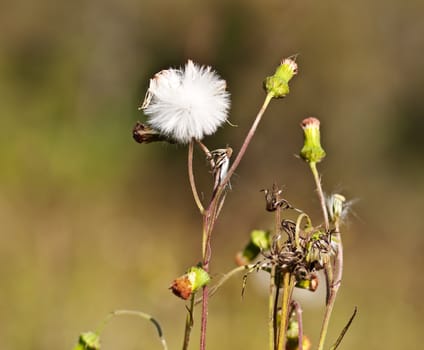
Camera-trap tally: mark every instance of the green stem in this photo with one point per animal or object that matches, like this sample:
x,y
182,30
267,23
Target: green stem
x,y
321,196
297,231
271,302
225,278
189,323
288,284
328,268
273,288
140,314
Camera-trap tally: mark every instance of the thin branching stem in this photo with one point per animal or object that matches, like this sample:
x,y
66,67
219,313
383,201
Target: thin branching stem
x,y
225,278
211,213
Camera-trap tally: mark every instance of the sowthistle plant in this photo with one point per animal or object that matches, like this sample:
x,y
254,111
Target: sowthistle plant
x,y
185,105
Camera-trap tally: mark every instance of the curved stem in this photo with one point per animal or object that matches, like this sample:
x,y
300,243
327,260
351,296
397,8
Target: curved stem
x,y
191,178
297,231
138,314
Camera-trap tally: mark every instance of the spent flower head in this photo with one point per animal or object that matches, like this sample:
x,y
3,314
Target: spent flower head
x,y
186,103
189,283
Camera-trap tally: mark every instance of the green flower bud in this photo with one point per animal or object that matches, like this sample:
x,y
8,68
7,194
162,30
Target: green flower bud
x,y
189,283
277,85
310,283
293,336
259,240
312,152
88,341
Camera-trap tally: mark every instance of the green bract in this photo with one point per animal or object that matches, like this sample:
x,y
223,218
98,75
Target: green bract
x,y
277,85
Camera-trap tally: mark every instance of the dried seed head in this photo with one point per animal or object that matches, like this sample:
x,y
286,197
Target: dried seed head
x,y
186,103
184,286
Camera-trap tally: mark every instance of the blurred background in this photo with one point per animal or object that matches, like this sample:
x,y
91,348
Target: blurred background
x,y
92,221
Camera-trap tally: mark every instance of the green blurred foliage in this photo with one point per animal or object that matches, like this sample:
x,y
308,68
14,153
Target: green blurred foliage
x,y
92,221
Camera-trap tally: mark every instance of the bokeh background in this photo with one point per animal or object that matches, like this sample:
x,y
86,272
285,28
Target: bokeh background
x,y
92,221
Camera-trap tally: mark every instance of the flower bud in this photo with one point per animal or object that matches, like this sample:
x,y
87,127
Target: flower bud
x,y
293,336
88,341
312,152
189,283
310,283
278,84
259,240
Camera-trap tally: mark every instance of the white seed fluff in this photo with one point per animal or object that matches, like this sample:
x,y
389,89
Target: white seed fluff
x,y
186,103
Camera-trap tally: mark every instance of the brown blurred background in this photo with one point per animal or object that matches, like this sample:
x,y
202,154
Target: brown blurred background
x,y
92,221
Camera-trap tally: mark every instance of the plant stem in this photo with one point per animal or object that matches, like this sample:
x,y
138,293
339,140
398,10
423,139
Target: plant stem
x,y
189,323
288,284
328,267
191,178
321,196
211,213
326,321
247,140
275,311
206,252
334,288
225,278
138,314
298,311
273,289
204,318
271,302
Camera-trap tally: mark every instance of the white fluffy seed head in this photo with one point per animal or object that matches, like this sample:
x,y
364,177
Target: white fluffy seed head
x,y
186,103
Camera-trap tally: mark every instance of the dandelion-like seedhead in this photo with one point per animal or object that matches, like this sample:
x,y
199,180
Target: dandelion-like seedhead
x,y
186,103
